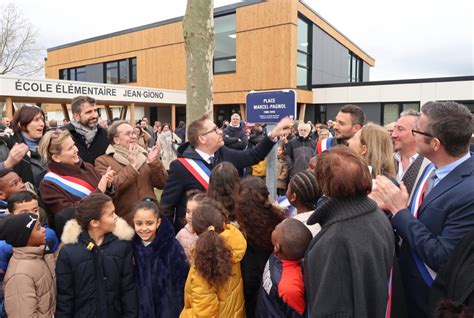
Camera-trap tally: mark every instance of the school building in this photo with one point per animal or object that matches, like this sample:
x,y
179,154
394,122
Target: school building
x,y
259,45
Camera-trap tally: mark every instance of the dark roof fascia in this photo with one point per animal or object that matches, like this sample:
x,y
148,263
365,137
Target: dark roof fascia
x,y
403,81
217,11
332,26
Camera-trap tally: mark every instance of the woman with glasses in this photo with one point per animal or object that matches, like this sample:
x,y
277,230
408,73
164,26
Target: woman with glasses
x,y
138,171
29,127
69,178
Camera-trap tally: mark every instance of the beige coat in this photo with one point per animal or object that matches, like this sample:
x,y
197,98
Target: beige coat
x,y
29,283
131,185
166,140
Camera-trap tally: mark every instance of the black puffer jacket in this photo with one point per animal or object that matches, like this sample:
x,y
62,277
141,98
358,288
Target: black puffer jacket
x,y
235,138
298,153
97,147
96,281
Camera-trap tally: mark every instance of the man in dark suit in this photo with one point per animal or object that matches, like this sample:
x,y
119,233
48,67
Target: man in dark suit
x,y
205,148
441,211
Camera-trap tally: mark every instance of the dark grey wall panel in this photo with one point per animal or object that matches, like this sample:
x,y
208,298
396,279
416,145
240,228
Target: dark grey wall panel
x,y
95,73
330,59
365,72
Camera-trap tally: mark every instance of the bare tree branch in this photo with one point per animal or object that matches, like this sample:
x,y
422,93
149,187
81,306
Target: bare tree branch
x,y
19,52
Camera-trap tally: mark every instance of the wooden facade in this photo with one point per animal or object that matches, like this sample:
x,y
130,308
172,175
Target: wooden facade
x,y
266,52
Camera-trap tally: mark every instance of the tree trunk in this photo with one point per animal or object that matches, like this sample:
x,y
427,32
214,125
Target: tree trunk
x,y
198,31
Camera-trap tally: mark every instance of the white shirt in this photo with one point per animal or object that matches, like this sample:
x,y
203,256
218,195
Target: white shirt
x,y
205,156
401,172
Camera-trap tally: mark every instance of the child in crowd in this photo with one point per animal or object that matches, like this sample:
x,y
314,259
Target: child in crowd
x,y
282,291
27,202
29,281
214,287
304,193
257,218
282,170
187,237
260,169
95,276
161,267
224,183
10,182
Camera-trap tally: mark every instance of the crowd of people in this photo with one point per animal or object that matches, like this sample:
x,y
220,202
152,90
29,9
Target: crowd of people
x,y
369,222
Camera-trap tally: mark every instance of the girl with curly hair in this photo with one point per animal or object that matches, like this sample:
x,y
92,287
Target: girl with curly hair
x,y
223,185
214,287
257,218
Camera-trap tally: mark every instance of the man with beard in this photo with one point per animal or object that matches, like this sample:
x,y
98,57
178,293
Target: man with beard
x,y
90,139
349,120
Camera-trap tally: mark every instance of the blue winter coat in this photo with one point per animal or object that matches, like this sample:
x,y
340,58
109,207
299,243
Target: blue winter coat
x,y
160,274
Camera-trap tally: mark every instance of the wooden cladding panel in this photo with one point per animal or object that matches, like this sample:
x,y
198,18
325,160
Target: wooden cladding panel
x,y
266,14
263,61
87,53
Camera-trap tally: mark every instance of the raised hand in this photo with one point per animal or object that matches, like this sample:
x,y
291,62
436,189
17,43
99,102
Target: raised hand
x,y
132,155
283,127
17,153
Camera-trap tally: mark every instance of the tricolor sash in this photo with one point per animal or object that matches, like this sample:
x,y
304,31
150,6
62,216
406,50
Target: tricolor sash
x,y
74,186
198,170
426,272
388,309
323,145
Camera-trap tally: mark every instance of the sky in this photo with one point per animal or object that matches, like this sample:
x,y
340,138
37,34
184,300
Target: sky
x,y
407,38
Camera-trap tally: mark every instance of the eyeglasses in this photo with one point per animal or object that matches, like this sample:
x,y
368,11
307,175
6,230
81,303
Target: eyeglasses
x,y
414,132
130,133
215,129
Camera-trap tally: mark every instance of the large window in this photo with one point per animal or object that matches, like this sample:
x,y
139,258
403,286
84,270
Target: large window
x,y
303,67
114,72
354,71
391,111
225,39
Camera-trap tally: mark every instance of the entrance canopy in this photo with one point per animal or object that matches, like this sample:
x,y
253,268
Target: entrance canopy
x,y
38,91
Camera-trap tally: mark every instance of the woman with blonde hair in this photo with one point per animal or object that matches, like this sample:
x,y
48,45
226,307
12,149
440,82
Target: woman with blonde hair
x,y
69,178
374,145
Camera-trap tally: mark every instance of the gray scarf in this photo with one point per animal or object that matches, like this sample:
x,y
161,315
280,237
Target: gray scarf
x,y
87,132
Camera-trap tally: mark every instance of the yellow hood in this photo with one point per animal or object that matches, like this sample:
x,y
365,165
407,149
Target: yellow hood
x,y
236,241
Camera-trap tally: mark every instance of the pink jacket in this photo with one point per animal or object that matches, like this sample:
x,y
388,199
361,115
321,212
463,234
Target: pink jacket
x,y
187,239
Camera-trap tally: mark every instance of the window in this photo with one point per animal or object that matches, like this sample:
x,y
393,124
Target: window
x,y
114,72
133,70
354,72
225,44
80,74
391,111
304,61
63,74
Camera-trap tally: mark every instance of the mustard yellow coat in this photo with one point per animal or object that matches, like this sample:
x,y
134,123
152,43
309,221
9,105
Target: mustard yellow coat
x,y
203,300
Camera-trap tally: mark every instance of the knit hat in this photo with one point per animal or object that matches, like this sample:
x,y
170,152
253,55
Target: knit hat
x,y
16,229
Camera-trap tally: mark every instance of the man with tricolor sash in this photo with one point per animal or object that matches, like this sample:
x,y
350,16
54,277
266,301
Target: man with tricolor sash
x,y
196,158
441,210
349,120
